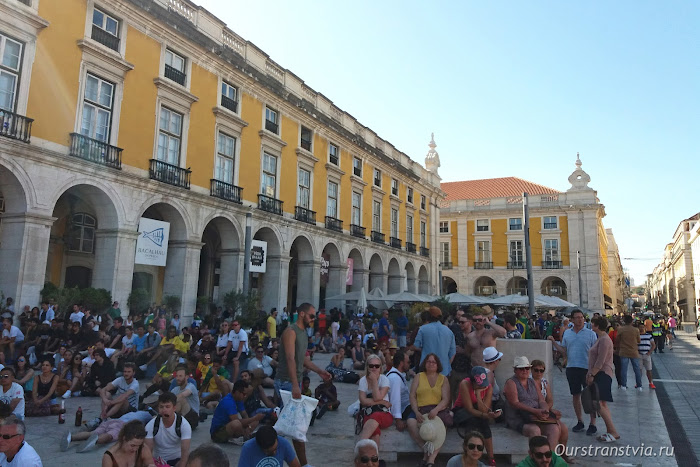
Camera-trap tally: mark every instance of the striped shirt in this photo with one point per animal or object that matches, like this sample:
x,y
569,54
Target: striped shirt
x,y
644,345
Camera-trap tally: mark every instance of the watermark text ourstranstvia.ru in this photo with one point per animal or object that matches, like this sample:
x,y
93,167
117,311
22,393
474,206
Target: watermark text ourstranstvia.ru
x,y
615,451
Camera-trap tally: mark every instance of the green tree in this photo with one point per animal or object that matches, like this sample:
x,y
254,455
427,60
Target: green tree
x,y
97,300
138,301
245,307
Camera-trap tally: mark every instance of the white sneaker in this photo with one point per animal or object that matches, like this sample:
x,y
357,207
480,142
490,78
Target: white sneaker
x,y
65,442
66,395
640,389
143,367
240,441
624,388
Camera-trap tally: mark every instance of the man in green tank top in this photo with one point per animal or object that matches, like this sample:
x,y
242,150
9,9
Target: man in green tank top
x,y
293,359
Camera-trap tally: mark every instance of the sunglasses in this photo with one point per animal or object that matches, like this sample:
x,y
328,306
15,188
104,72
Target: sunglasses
x,y
367,459
5,376
542,455
478,447
538,370
527,368
21,360
374,366
9,436
462,321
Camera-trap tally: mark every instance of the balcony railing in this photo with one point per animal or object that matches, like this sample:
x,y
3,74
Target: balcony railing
x,y
228,103
95,151
357,231
357,171
548,264
305,215
306,144
226,191
378,182
175,75
483,265
395,242
334,224
15,126
170,174
550,225
446,265
105,38
516,264
410,247
271,126
269,204
377,237
424,251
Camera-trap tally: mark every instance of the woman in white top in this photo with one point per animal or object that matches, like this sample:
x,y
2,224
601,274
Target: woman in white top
x,y
374,400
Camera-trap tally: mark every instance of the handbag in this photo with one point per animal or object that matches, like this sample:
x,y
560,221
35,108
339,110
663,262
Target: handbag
x,y
590,399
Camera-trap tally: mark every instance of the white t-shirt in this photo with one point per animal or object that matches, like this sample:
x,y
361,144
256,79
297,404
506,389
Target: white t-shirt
x,y
25,457
222,341
334,328
192,399
15,332
15,392
166,443
77,317
236,339
128,343
383,383
265,366
122,387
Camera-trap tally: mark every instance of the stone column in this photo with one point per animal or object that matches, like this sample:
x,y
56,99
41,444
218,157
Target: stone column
x,y
273,289
395,283
23,255
229,276
462,278
115,250
336,280
182,275
308,282
360,278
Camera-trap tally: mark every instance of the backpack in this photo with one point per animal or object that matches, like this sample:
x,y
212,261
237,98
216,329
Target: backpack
x,y
590,399
178,424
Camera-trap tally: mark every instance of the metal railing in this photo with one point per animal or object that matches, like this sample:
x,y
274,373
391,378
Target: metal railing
x,y
357,171
175,75
424,251
271,126
446,265
15,126
549,264
105,38
226,191
395,242
377,237
305,215
170,174
269,204
306,144
228,103
483,264
516,264
378,182
410,247
334,160
94,150
357,231
550,225
334,224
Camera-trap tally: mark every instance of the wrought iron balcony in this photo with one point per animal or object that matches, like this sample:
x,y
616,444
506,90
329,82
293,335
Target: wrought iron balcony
x,y
226,191
15,126
105,38
228,103
94,150
334,224
357,171
548,264
424,251
378,182
305,215
377,237
516,264
269,204
395,242
550,225
483,265
170,174
175,75
271,126
306,144
357,231
446,265
410,247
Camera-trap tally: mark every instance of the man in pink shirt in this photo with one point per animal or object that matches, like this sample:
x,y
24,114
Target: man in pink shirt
x,y
671,331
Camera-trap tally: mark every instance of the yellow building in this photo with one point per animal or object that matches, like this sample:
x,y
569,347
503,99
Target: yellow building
x,y
482,241
118,111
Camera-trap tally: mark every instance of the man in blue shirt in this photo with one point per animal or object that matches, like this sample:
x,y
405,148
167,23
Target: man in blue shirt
x,y
383,332
267,449
436,338
139,339
230,419
401,330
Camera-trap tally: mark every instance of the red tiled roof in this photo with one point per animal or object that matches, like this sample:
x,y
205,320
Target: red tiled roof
x,y
493,188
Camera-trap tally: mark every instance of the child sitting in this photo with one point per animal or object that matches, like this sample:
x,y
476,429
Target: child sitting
x,y
327,396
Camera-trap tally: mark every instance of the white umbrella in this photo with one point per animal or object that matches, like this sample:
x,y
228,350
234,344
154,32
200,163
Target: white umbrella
x,y
403,297
552,301
362,301
515,300
457,297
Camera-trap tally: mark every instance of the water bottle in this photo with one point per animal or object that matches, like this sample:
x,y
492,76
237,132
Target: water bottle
x,y
62,413
79,416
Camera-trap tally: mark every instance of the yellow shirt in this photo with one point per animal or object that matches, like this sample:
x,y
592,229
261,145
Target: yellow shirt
x,y
427,395
272,325
179,344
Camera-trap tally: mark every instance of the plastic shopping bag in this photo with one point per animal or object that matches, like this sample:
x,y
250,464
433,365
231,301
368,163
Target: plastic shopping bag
x,y
354,408
295,417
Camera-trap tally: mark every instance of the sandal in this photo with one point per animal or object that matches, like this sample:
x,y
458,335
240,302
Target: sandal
x,y
607,438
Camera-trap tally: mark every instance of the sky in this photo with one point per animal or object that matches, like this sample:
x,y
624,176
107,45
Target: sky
x,y
514,89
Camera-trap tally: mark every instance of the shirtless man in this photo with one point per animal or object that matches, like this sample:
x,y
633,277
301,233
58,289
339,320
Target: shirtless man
x,y
482,337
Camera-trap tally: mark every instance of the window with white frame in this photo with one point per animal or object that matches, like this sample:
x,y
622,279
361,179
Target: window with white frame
x,y
445,252
376,216
225,154
269,175
444,227
422,202
550,222
409,195
272,120
482,225
483,251
332,205
333,154
10,64
409,228
304,189
229,97
97,108
105,29
175,67
305,138
394,187
169,136
422,234
82,233
378,178
394,223
516,252
515,223
551,250
357,208
357,166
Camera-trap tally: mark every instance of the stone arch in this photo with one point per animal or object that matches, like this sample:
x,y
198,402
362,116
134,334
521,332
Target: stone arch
x,y
272,236
516,285
423,280
395,278
376,273
302,272
271,285
14,193
554,286
359,273
410,277
102,196
220,262
336,277
173,213
448,285
485,286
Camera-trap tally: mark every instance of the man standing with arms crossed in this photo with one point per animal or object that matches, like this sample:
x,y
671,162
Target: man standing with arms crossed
x,y
293,359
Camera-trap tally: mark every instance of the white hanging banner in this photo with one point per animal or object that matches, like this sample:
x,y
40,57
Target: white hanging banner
x,y
258,255
152,242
